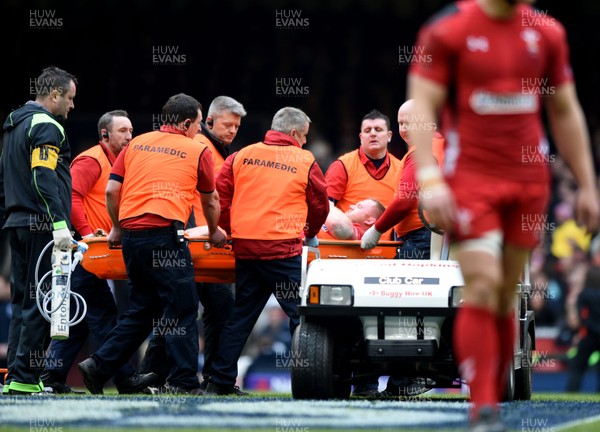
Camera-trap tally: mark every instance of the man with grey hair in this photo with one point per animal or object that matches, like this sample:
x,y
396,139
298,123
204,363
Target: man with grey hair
x,y
272,194
217,133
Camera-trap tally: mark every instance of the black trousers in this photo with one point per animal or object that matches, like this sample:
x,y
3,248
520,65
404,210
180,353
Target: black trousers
x,y
578,365
99,320
256,280
217,302
163,301
29,331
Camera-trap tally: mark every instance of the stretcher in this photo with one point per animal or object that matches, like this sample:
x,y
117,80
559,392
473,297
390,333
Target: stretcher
x,y
217,265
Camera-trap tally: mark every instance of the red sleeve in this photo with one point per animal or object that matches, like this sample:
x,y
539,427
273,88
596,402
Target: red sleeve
x,y
405,198
430,45
316,198
337,178
85,172
225,190
559,66
118,170
206,172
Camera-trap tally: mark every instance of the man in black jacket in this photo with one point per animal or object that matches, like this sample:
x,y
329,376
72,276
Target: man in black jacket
x,y
35,208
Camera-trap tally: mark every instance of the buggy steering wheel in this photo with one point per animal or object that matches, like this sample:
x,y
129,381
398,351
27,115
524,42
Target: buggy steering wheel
x,y
431,227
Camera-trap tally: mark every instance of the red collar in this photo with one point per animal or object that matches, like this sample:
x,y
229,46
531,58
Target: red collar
x,y
280,138
171,129
364,159
108,152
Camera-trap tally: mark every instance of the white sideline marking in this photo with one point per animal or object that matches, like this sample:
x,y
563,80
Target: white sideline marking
x,y
67,410
564,426
185,411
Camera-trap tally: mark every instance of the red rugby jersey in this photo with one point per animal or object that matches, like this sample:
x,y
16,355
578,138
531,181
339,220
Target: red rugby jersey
x,y
498,72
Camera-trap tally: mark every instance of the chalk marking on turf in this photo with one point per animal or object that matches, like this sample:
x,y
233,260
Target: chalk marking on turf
x,y
578,422
123,412
64,410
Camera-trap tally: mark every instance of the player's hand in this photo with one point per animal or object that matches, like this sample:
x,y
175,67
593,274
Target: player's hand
x,y
370,238
114,237
217,238
587,209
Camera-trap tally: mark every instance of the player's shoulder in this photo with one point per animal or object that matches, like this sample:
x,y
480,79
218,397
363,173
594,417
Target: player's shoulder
x,y
542,22
451,15
447,26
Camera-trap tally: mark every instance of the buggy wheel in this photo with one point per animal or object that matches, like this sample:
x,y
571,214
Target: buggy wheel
x,y
318,373
523,380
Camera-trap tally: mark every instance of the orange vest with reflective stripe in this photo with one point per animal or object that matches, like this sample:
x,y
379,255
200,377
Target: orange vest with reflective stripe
x,y
361,185
269,196
412,221
161,176
198,212
94,203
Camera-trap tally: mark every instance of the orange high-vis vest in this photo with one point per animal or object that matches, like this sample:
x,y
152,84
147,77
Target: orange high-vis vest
x,y
269,196
412,221
198,212
437,148
161,176
203,139
94,203
361,185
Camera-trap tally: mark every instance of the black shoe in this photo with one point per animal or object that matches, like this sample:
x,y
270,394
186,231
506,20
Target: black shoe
x,y
54,383
224,390
487,420
91,378
136,383
169,389
388,394
367,389
367,394
204,384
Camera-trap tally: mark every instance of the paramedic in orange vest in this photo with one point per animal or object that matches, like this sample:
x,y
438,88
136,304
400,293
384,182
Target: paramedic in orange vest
x,y
352,224
367,172
272,193
89,172
402,215
149,198
403,211
217,133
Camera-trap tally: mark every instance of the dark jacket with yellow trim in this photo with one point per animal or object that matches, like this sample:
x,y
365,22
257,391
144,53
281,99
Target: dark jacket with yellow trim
x,y
37,194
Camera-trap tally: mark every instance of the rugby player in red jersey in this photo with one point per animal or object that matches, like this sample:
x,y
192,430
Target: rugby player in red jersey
x,y
489,66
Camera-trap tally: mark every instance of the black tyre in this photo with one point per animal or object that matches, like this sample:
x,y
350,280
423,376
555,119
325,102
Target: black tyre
x,y
318,374
523,381
509,391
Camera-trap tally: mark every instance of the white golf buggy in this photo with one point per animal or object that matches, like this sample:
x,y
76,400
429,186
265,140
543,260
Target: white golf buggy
x,y
365,315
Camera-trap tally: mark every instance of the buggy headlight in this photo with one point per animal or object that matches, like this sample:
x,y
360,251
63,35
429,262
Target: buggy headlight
x,y
330,295
456,296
